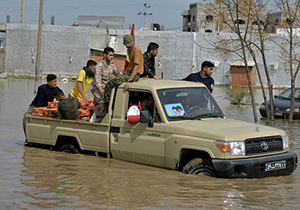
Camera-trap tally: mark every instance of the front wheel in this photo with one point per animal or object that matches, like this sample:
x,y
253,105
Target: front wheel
x,y
199,166
68,148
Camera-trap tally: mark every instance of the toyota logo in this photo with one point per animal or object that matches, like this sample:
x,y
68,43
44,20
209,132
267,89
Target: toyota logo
x,y
264,145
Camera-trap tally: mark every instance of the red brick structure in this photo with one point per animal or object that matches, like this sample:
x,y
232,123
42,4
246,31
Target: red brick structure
x,y
239,74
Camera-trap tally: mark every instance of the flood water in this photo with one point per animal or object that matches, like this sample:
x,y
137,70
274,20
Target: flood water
x,y
34,178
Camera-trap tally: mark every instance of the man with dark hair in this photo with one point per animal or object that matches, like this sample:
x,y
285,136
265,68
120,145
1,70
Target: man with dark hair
x,y
45,92
67,107
84,80
204,75
179,110
103,74
175,111
149,61
44,95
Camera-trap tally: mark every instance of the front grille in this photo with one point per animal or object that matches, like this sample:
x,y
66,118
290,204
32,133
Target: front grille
x,y
279,109
263,145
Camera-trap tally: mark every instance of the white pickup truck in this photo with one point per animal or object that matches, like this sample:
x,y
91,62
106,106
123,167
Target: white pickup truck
x,y
184,130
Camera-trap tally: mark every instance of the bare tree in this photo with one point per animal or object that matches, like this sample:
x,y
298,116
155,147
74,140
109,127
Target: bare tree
x,y
236,16
259,20
290,51
251,39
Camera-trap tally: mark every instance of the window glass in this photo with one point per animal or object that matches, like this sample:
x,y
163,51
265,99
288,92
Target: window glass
x,y
286,94
188,103
145,102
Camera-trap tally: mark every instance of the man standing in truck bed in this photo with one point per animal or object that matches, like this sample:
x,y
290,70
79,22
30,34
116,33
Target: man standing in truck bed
x,y
104,71
204,75
132,74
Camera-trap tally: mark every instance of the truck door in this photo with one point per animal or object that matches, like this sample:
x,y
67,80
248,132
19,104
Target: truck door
x,y
138,142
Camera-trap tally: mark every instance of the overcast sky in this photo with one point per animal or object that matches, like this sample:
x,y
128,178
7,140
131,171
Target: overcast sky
x,y
165,12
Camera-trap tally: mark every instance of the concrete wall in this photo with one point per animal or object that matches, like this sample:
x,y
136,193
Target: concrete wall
x,y
2,59
66,49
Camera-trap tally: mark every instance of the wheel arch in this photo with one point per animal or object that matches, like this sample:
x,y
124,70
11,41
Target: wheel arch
x,y
63,139
187,154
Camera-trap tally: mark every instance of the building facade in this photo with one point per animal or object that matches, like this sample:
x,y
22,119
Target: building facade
x,y
202,17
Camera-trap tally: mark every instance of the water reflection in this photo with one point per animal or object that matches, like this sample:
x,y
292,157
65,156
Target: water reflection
x,y
33,178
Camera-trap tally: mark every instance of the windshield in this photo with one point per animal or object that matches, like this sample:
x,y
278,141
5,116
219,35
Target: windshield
x,y
188,103
287,94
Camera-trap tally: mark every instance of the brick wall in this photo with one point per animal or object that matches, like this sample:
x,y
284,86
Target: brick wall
x,y
239,75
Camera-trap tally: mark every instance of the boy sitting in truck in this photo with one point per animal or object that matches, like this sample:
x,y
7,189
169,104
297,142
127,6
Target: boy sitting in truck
x,y
43,96
67,107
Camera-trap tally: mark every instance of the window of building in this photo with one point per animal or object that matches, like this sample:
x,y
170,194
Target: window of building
x,y
260,22
239,21
193,18
209,18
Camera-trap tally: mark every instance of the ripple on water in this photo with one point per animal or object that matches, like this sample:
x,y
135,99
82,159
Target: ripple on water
x,y
33,178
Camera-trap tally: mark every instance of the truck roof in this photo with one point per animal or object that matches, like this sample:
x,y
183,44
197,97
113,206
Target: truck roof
x,y
152,84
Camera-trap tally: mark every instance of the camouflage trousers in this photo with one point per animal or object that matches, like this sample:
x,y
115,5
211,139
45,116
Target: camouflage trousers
x,y
116,82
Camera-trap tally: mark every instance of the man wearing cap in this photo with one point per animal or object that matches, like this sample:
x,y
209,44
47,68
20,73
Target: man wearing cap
x,y
132,74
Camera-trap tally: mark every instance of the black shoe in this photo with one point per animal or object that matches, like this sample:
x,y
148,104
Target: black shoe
x,y
101,115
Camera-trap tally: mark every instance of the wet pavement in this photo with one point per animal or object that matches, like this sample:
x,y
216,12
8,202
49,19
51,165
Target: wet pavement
x,y
34,178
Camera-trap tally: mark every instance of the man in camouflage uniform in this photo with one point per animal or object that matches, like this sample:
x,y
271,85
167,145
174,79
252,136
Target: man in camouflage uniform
x,y
67,107
132,74
103,74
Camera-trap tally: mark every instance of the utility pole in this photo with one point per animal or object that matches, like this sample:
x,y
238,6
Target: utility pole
x,y
145,13
39,47
22,11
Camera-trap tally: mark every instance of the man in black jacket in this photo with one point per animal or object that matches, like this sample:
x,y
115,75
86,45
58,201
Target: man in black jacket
x,y
149,61
44,95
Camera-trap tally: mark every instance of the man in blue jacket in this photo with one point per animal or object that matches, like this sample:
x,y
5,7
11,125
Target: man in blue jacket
x,y
204,75
44,95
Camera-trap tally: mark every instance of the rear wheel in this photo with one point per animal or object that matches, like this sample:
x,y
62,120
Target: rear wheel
x,y
199,166
68,148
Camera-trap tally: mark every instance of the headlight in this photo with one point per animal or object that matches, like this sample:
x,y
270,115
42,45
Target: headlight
x,y
285,142
295,110
231,148
262,106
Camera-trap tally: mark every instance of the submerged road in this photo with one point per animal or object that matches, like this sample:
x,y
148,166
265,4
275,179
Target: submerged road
x,y
34,178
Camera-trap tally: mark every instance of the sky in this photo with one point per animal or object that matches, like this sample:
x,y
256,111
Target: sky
x,y
65,12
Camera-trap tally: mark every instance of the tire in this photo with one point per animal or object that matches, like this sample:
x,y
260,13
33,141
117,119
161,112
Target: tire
x,y
68,148
199,166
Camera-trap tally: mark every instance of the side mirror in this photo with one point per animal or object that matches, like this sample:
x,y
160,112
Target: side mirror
x,y
275,96
144,118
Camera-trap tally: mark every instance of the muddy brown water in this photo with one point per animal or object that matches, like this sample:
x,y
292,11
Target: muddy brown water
x,y
34,178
